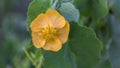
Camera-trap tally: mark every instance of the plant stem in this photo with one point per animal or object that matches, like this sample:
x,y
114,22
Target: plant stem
x,y
39,65
29,57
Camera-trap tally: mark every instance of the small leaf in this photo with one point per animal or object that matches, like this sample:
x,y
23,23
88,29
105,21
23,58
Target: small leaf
x,y
69,11
84,45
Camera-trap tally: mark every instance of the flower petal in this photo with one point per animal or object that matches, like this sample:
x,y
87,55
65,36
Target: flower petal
x,y
56,19
53,45
64,32
37,40
40,21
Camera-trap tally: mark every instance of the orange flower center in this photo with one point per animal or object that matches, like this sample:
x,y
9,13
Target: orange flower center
x,y
48,33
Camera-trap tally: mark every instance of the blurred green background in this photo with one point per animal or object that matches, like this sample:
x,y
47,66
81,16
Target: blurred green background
x,y
14,35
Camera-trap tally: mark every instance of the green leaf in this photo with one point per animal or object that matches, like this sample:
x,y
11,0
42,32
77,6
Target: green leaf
x,y
35,8
85,47
57,59
92,8
69,11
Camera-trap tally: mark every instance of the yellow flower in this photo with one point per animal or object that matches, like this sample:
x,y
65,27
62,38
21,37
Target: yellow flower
x,y
49,30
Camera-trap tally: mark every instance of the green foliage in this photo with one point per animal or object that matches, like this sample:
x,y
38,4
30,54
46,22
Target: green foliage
x,y
94,38
83,48
92,8
84,45
57,59
69,11
34,55
80,53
